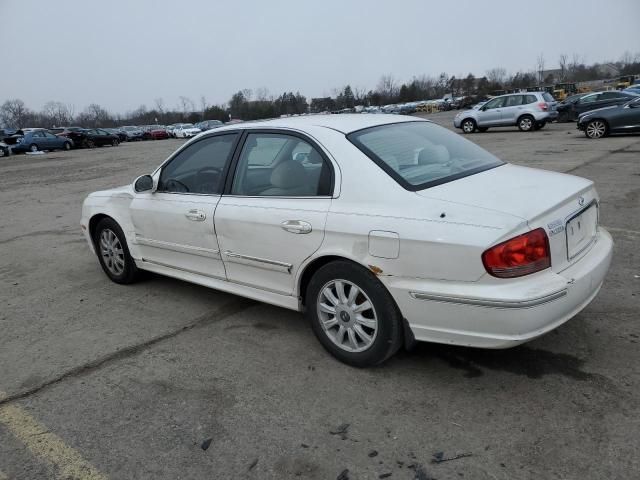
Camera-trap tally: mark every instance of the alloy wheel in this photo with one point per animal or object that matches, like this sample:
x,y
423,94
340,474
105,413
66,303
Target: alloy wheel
x,y
526,124
112,252
347,315
596,129
467,126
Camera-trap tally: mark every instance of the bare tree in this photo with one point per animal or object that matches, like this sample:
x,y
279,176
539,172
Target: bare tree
x,y
14,112
262,94
57,114
626,58
564,59
497,75
159,104
387,87
187,105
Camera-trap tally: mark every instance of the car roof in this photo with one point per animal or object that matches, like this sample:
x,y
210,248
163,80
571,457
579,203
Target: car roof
x,y
344,122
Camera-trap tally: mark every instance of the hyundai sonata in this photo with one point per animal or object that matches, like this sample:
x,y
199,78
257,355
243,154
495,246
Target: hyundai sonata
x,y
384,229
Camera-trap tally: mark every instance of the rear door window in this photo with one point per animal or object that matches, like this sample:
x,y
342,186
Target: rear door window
x,y
514,100
530,99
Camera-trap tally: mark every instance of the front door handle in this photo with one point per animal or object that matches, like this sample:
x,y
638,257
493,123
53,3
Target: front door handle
x,y
196,215
296,226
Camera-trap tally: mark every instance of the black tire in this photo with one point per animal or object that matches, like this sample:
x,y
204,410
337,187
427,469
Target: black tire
x,y
130,272
3,152
115,143
33,147
539,125
66,146
563,117
526,123
90,144
468,125
483,129
389,334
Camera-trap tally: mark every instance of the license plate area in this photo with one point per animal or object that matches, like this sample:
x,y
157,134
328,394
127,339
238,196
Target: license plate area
x,y
581,230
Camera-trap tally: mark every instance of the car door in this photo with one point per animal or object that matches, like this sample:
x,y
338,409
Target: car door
x,y
174,225
586,103
38,138
272,216
491,113
512,109
627,118
51,141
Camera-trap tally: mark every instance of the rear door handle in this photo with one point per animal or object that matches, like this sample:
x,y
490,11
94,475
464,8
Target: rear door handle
x,y
296,226
196,215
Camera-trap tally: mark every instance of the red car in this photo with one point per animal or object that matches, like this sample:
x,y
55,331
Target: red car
x,y
155,132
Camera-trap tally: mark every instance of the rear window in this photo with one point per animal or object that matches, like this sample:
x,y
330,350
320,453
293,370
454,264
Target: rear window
x,y
530,99
548,97
420,155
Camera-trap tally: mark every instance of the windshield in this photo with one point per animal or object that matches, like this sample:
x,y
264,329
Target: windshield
x,y
419,155
187,125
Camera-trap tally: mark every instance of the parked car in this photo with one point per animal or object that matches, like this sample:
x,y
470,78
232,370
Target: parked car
x,y
99,137
569,111
155,132
615,119
7,132
122,136
133,133
209,124
528,111
564,107
170,129
77,134
35,139
446,244
186,130
5,151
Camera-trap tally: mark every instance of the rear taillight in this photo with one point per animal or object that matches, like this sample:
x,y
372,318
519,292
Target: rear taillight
x,y
543,106
521,255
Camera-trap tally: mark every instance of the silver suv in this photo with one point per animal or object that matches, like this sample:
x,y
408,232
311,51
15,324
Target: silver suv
x,y
529,111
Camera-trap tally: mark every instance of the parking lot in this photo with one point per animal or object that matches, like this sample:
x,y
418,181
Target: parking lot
x,y
164,379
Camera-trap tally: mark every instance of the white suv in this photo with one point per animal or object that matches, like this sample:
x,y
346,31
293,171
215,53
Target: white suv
x,y
529,111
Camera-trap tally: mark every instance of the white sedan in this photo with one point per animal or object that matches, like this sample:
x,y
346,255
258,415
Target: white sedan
x,y
384,229
186,130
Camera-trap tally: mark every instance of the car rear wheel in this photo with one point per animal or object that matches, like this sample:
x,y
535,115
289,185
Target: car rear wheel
x,y
33,147
90,144
526,123
563,117
115,143
3,152
468,125
540,125
113,252
596,129
66,146
353,315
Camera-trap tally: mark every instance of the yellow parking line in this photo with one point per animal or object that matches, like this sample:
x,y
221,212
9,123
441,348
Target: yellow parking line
x,y
46,445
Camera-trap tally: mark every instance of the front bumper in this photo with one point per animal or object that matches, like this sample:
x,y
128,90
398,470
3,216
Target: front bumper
x,y
501,315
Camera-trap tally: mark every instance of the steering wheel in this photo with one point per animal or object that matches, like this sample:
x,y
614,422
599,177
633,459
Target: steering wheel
x,y
173,185
209,186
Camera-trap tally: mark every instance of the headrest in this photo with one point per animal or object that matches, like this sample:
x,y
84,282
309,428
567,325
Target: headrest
x,y
437,154
288,174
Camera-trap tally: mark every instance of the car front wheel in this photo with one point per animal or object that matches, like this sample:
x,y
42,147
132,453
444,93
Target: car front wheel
x,y
66,146
353,315
596,129
468,125
526,123
113,252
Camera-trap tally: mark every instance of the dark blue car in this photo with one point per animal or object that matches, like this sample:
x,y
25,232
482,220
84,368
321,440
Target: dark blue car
x,y
34,139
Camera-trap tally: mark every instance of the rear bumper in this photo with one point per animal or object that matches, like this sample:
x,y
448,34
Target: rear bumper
x,y
501,315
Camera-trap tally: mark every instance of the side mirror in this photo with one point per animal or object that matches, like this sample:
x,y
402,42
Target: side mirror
x,y
143,183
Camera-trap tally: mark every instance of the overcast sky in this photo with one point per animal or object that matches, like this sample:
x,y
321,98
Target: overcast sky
x,y
124,53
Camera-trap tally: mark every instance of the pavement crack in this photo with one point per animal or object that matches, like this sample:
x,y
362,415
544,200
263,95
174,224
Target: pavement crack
x,y
601,157
228,310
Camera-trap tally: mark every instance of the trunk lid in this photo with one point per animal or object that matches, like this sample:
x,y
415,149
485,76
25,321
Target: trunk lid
x,y
564,205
